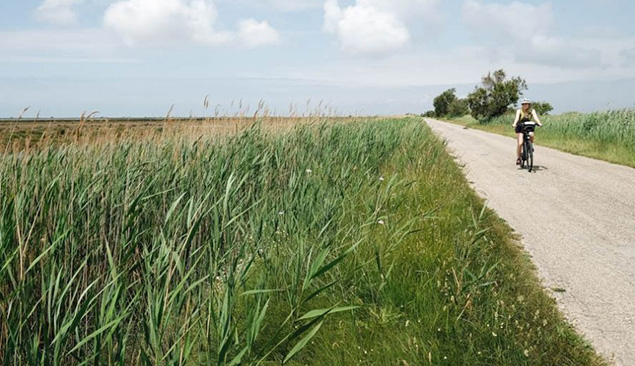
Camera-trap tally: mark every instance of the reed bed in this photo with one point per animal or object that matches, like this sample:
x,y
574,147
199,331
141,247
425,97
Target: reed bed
x,y
24,135
323,243
608,135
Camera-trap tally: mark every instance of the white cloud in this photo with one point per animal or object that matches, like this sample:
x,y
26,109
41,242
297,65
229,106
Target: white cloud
x,y
628,57
332,15
374,26
516,20
559,52
457,66
254,34
364,28
58,12
60,45
285,6
524,30
157,22
292,5
164,21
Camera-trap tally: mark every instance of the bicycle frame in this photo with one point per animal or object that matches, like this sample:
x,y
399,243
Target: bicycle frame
x,y
527,147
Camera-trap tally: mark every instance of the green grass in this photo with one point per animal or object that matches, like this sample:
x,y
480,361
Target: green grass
x,y
608,136
330,244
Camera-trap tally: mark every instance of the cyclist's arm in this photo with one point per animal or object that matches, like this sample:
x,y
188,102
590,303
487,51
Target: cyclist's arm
x,y
536,117
516,119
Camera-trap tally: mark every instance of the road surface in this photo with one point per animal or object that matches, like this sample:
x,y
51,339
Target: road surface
x,y
581,235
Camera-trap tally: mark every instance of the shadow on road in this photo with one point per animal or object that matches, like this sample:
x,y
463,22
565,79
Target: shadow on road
x,y
536,169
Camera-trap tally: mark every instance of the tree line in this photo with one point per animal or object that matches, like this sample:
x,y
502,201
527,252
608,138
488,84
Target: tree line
x,y
496,96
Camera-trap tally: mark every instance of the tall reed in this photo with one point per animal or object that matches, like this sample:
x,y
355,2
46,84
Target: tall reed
x,y
164,250
324,243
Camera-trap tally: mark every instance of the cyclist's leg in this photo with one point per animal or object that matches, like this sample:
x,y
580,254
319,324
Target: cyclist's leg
x,y
519,144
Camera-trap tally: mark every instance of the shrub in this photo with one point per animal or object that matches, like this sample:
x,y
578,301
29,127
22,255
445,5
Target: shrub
x,y
447,104
542,108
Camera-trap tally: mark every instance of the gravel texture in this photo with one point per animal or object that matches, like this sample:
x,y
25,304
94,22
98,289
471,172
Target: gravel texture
x,y
576,217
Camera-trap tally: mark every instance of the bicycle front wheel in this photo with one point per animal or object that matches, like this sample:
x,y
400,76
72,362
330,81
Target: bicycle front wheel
x,y
530,156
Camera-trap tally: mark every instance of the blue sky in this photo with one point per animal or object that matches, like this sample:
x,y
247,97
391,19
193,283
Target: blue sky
x,y
139,57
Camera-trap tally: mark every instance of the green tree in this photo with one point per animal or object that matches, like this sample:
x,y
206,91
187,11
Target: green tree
x,y
542,108
458,108
442,102
495,95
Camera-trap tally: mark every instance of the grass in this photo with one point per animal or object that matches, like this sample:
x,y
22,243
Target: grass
x,y
354,243
25,135
608,136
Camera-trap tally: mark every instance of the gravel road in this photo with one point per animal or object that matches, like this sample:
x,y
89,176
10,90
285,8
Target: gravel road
x,y
577,219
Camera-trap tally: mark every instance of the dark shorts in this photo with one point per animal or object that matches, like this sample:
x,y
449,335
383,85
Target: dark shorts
x,y
519,127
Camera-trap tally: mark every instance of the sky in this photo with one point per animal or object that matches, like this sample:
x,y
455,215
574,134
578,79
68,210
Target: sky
x,y
139,58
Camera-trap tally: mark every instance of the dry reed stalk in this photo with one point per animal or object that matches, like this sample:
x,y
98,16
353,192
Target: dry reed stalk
x,y
38,135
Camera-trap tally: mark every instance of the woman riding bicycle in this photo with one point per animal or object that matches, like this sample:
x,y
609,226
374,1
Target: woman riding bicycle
x,y
523,115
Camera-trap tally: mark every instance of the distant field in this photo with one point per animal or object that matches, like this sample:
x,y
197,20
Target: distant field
x,y
326,242
33,134
608,136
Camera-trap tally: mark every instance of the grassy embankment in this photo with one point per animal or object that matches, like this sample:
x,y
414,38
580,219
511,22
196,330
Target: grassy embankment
x,y
327,244
608,136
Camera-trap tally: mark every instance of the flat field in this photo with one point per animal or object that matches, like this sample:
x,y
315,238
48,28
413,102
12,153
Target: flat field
x,y
320,242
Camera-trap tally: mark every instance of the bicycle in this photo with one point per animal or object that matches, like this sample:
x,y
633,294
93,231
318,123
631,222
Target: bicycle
x,y
527,152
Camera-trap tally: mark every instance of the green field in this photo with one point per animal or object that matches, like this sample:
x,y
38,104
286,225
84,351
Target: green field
x,y
328,243
608,136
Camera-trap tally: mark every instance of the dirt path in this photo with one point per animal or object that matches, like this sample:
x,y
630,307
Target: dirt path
x,y
581,234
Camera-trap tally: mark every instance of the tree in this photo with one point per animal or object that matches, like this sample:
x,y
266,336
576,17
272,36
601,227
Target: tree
x,y
496,94
542,108
458,108
447,104
442,102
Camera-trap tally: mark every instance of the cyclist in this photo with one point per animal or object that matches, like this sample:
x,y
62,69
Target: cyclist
x,y
523,115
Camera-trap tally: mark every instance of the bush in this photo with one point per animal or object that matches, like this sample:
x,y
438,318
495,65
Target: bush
x,y
447,104
458,108
542,108
442,102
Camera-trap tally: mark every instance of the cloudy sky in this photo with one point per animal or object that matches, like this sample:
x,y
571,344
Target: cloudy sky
x,y
139,57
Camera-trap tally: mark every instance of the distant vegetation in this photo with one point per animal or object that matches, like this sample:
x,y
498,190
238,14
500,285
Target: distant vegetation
x,y
608,135
496,96
542,108
448,105
327,243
